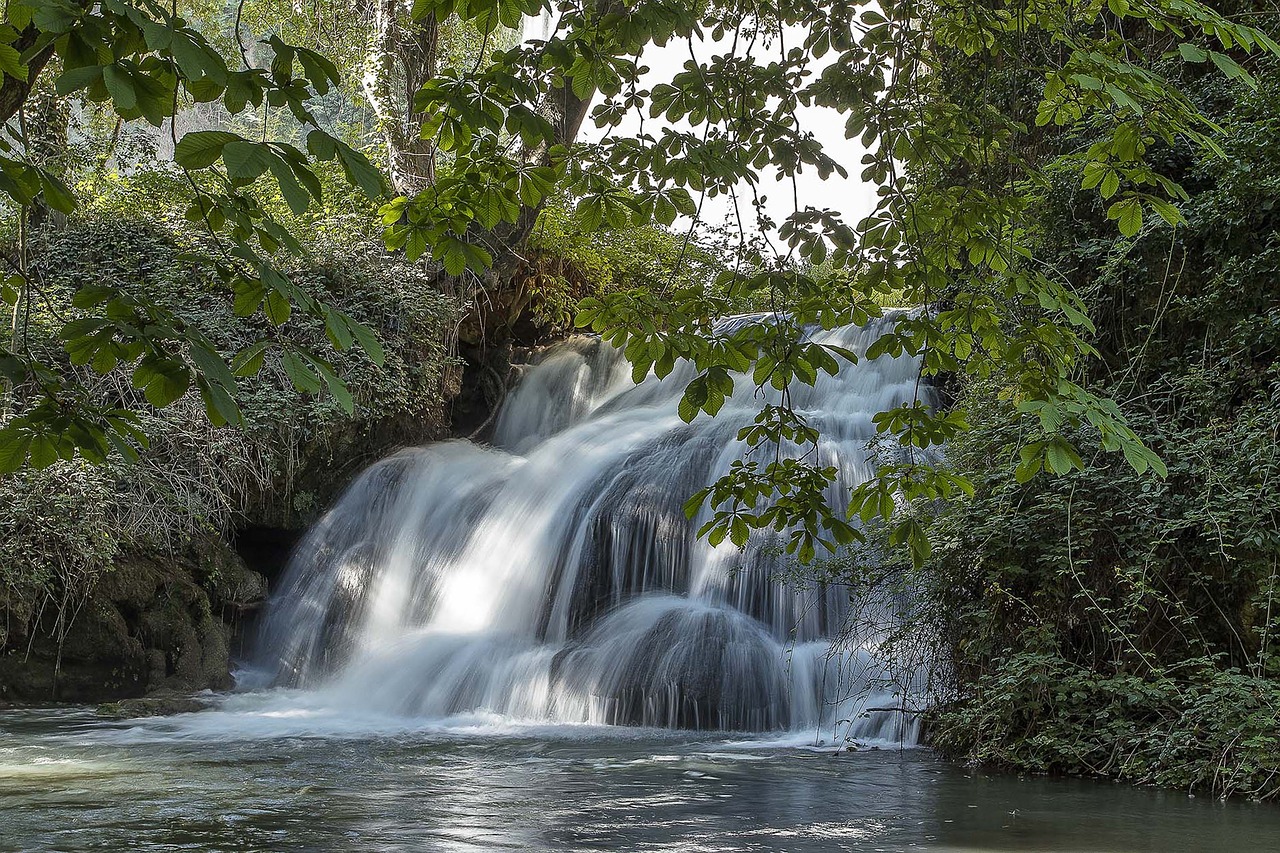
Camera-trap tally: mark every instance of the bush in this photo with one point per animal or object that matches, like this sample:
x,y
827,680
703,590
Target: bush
x,y
1114,623
1194,726
64,526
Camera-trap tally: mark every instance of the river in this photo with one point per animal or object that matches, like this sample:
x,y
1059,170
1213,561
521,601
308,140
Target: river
x,y
246,778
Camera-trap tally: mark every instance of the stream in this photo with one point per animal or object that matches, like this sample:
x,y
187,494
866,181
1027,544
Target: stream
x,y
244,778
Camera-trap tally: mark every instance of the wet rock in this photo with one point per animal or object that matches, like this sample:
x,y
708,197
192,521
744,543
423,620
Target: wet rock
x,y
154,621
161,703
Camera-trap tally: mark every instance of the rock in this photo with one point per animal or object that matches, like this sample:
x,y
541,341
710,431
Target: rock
x,y
249,589
100,633
215,653
131,583
156,620
161,703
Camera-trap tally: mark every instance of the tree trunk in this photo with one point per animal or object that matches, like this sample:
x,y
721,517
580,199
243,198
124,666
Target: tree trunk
x,y
403,58
566,112
14,92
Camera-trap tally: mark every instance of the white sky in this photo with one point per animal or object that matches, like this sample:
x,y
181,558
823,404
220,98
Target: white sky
x,y
850,196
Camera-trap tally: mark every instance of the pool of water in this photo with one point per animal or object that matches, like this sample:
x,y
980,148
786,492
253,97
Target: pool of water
x,y
249,778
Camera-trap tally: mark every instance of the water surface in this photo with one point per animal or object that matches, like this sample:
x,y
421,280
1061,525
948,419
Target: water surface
x,y
251,779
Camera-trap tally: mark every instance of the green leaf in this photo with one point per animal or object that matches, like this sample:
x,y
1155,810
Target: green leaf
x,y
453,254
304,379
249,360
688,409
341,393
337,387
14,444
1061,457
120,86
360,171
1168,212
242,87
1232,69
74,79
219,405
11,63
1110,184
197,60
1157,465
43,451
368,342
1135,457
57,194
336,328
212,365
1191,53
249,296
246,161
1128,214
319,70
277,308
162,380
200,149
295,196
583,85
1121,98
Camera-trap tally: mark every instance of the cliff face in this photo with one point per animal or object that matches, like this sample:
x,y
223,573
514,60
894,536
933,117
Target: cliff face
x,y
152,621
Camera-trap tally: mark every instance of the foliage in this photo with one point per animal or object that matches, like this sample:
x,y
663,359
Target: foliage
x,y
1197,726
147,62
341,31
56,535
66,524
572,261
1105,622
949,230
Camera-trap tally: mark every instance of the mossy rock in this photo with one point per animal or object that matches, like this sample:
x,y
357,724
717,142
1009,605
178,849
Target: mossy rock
x,y
161,703
132,582
100,633
155,621
215,653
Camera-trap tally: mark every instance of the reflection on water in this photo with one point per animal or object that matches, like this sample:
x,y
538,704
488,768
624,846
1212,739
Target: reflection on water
x,y
219,781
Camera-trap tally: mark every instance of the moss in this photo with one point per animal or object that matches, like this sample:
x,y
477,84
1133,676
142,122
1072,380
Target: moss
x,y
156,621
131,583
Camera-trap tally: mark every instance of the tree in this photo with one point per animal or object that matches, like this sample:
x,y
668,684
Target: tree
x,y
413,45
950,232
147,63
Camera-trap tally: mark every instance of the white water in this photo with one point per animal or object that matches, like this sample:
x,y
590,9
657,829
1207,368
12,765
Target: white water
x,y
555,579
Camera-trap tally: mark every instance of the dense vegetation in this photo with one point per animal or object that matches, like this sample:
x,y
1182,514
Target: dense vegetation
x,y
67,525
1108,623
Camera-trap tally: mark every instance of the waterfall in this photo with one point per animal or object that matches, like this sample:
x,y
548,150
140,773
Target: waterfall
x,y
554,576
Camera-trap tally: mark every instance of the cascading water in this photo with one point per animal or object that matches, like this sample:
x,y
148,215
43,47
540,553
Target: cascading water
x,y
555,577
